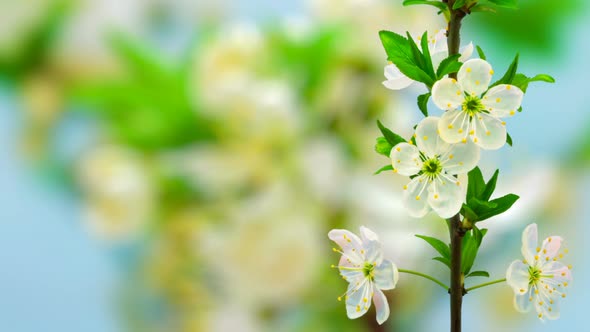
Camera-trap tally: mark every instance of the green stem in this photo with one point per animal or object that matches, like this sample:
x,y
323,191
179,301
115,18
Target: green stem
x,y
485,284
438,282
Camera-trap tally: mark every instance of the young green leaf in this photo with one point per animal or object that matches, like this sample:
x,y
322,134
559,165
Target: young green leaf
x,y
443,260
510,73
481,53
459,3
476,184
478,274
417,55
423,103
502,205
490,186
542,78
383,147
438,245
448,66
468,213
383,169
508,139
505,3
426,55
438,4
468,252
389,135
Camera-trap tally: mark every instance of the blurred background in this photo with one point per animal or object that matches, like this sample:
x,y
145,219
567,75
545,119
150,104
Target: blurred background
x,y
175,165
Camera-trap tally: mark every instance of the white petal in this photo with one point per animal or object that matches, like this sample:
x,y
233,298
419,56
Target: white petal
x,y
447,94
358,301
475,76
368,235
350,243
372,252
381,306
445,197
543,306
488,132
466,52
453,126
440,42
427,138
437,58
561,273
460,158
529,243
503,100
522,302
405,159
395,79
551,246
351,275
386,275
415,197
517,277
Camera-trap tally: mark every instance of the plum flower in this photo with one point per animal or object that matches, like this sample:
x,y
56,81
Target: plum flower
x,y
539,279
437,45
468,113
433,162
363,266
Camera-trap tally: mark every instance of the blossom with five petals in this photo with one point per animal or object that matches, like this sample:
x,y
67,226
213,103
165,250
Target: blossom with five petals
x,y
434,163
363,266
540,279
471,109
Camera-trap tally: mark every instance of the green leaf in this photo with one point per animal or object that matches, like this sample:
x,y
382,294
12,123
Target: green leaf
x,y
478,205
389,135
443,260
396,46
521,81
478,274
383,147
508,139
502,205
468,213
490,186
438,4
438,245
459,3
448,66
468,252
512,4
510,73
482,8
542,78
383,169
417,55
414,72
426,55
476,184
481,53
423,103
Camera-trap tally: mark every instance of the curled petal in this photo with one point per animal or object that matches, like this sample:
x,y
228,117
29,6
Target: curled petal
x,y
368,235
460,158
453,126
386,275
529,243
503,100
358,301
466,52
445,197
395,79
381,306
415,197
405,159
488,132
427,138
475,76
447,94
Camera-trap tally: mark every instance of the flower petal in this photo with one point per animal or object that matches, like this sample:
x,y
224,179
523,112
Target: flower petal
x,y
352,276
453,126
381,306
529,243
560,272
545,306
522,302
358,300
517,277
466,52
350,243
503,100
460,158
386,275
438,42
368,235
395,79
447,94
475,76
488,132
445,197
372,252
405,159
551,246
415,198
427,138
